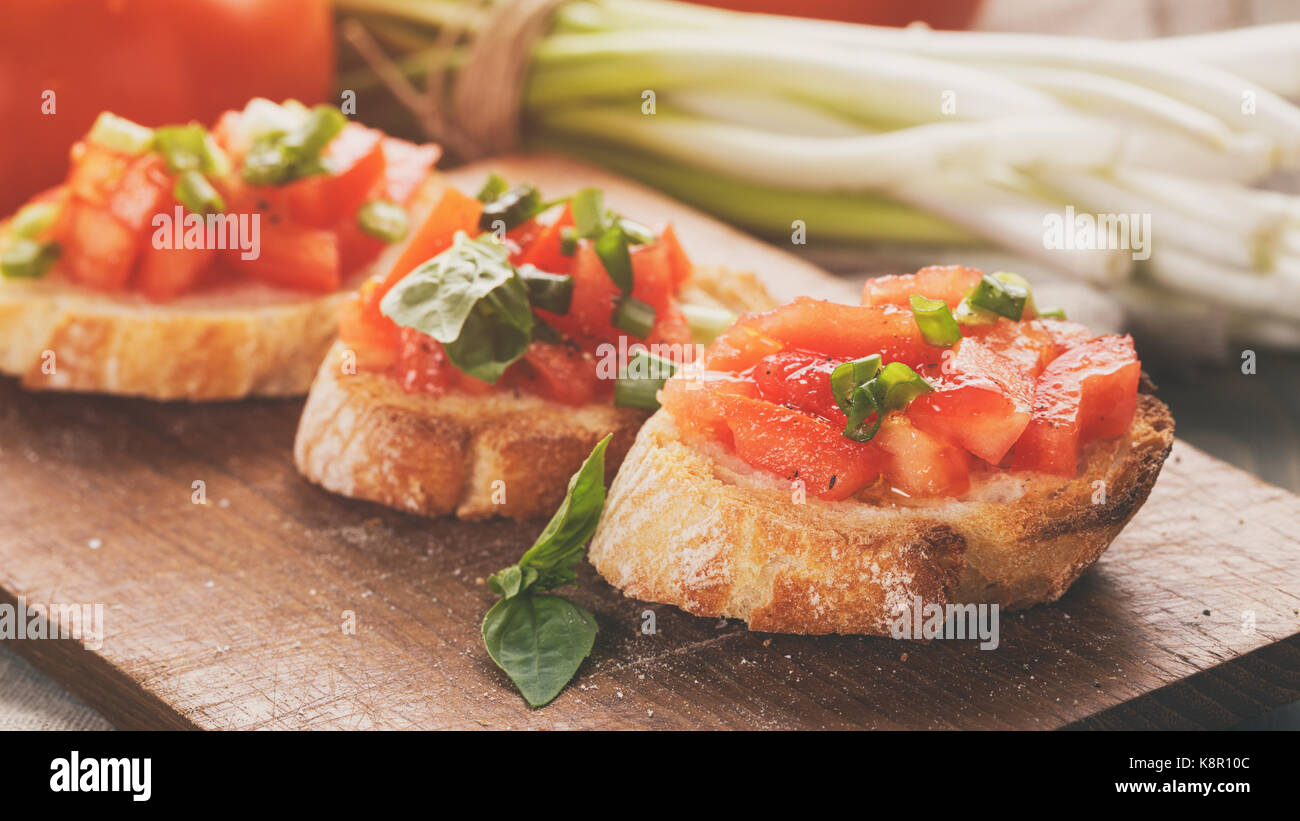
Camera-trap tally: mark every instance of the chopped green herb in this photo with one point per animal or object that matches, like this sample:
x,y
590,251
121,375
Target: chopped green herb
x,y
935,321
28,258
383,219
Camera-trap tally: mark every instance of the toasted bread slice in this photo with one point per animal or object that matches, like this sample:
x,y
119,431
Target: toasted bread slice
x,y
504,454
249,340
695,527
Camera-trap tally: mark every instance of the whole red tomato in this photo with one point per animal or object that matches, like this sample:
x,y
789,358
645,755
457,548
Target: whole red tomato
x,y
153,61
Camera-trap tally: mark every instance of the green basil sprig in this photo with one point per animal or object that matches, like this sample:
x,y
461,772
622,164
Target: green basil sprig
x,y
539,640
472,300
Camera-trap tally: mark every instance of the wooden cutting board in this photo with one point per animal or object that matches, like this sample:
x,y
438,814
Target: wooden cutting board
x,y
230,614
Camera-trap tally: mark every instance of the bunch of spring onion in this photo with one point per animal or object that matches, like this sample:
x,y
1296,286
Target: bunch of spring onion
x,y
869,134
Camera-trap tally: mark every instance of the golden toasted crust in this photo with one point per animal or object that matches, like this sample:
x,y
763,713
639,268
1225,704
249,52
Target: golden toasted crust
x,y
1032,550
503,454
81,342
691,526
247,340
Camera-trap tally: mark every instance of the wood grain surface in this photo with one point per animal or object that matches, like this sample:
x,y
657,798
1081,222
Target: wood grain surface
x,y
230,614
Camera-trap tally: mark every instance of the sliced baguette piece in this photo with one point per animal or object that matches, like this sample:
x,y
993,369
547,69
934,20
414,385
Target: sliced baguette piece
x,y
505,454
692,526
248,340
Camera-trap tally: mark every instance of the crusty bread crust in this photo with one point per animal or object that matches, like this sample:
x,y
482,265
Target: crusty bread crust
x,y
503,454
689,525
249,340
363,436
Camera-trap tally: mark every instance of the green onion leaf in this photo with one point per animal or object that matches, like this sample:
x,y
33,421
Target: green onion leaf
x,y
897,385
638,385
847,377
1053,313
706,322
279,157
634,316
383,220
120,134
34,219
1000,294
611,247
935,321
493,187
637,234
193,191
588,212
512,208
637,393
550,292
27,258
190,148
324,123
568,241
862,405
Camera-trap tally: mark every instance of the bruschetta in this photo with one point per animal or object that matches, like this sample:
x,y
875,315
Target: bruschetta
x,y
823,466
474,375
184,263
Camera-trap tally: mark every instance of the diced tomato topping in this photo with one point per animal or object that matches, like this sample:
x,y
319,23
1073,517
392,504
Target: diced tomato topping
x,y
454,212
356,247
356,160
1088,391
920,463
292,257
559,372
1029,345
677,259
421,366
95,172
406,166
1027,393
839,331
98,250
544,252
373,336
949,283
308,228
165,273
981,401
143,192
795,379
594,298
785,442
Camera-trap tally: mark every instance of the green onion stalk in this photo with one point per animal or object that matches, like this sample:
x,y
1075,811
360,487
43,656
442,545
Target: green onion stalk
x,y
862,134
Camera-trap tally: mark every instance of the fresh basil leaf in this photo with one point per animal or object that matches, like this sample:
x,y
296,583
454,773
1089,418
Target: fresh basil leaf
x,y
439,295
545,333
611,247
588,208
512,208
471,300
495,334
512,581
558,549
540,642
